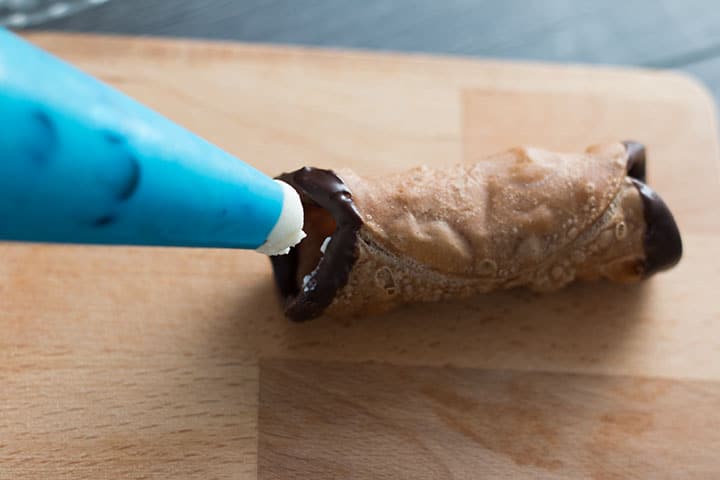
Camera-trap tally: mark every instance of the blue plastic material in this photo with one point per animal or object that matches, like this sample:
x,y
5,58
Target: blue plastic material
x,y
82,163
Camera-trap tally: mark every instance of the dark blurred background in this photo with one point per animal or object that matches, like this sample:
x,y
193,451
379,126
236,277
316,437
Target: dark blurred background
x,y
678,34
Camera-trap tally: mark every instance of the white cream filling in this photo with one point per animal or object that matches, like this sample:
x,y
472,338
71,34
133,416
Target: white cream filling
x,y
288,230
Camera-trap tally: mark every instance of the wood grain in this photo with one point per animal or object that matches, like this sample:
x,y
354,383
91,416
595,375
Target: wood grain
x,y
369,421
115,416
147,363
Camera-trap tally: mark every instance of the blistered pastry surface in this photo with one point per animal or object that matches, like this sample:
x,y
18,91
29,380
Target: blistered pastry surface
x,y
524,218
500,215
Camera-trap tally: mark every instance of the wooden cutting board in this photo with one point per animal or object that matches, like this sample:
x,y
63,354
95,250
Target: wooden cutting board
x,y
174,363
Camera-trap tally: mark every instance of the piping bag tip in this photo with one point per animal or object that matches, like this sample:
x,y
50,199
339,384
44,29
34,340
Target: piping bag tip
x,y
288,231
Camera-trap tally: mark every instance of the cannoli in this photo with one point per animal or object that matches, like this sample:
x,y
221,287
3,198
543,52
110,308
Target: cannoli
x,y
525,217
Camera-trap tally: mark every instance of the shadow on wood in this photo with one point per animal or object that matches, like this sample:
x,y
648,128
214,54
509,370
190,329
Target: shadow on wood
x,y
584,326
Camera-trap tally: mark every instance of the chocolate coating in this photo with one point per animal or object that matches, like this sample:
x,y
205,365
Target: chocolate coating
x,y
325,189
662,242
636,159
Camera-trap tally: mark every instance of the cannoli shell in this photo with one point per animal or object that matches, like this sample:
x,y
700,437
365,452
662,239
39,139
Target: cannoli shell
x,y
525,217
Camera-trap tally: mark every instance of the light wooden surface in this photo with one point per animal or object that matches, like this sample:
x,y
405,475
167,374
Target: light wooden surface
x,y
344,420
159,363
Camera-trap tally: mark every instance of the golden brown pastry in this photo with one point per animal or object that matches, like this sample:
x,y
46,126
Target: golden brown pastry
x,y
526,217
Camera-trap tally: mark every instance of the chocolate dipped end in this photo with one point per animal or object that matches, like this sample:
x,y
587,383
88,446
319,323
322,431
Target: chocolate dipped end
x,y
661,242
308,278
636,159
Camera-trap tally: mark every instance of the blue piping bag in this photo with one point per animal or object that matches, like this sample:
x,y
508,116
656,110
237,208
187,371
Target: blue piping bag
x,y
82,163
